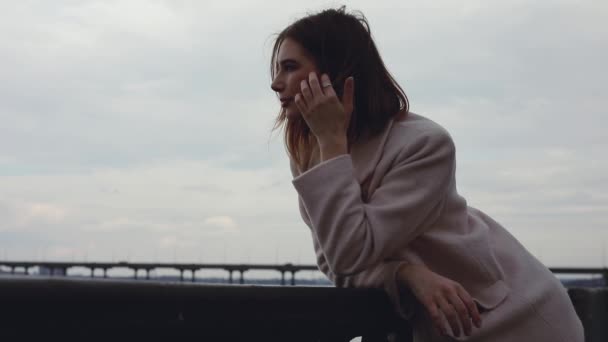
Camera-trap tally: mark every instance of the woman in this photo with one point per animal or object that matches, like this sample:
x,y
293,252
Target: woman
x,y
376,186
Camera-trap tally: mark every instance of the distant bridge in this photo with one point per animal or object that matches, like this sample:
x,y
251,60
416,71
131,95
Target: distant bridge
x,y
61,268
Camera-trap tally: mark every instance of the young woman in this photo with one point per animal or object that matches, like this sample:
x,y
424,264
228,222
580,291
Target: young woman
x,y
376,186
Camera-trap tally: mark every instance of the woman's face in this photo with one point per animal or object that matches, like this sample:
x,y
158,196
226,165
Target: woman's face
x,y
293,65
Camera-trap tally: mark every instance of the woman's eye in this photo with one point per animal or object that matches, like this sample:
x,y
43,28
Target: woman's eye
x,y
289,67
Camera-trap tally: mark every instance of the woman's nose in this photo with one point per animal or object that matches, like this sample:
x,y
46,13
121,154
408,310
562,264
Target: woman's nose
x,y
276,85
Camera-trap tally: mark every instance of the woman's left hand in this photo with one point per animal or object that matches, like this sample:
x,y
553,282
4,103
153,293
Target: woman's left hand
x,y
442,298
326,116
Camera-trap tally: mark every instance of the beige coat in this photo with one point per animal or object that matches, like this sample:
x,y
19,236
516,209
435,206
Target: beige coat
x,y
393,199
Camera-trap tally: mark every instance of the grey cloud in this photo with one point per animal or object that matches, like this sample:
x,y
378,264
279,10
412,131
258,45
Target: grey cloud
x,y
207,189
128,86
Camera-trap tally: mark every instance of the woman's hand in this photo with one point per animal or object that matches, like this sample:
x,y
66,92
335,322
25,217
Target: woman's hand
x,y
441,297
326,116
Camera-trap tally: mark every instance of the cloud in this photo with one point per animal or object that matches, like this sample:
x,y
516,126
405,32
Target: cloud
x,y
226,224
134,128
18,215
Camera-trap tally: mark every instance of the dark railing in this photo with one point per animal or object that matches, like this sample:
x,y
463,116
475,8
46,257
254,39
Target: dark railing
x,y
57,308
94,307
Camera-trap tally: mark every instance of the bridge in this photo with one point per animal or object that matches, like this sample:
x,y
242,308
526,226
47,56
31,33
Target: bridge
x,y
62,268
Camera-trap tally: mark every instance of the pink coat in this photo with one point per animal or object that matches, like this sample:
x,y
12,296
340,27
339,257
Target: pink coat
x,y
393,200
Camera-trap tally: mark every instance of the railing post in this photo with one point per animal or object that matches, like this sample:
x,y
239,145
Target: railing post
x,y
590,305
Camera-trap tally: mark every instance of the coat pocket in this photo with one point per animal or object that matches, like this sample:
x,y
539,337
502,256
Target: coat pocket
x,y
490,297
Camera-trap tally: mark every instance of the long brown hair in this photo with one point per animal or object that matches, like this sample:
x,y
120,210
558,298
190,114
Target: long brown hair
x,y
341,45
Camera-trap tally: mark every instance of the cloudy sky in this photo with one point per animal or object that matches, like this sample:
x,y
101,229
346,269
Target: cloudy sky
x,y
141,130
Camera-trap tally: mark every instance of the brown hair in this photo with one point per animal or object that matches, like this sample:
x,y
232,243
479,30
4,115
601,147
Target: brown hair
x,y
341,46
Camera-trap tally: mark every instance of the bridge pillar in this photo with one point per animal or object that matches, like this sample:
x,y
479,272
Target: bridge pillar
x,y
105,272
293,277
282,277
193,272
92,272
147,273
181,275
12,270
230,277
242,280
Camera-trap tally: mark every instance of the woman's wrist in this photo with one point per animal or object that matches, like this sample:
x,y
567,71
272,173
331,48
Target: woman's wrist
x,y
331,148
405,273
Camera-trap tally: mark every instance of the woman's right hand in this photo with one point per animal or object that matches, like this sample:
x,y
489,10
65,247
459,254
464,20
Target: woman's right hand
x,y
441,297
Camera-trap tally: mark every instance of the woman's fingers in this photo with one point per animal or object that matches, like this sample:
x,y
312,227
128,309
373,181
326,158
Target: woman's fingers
x,y
463,312
314,85
327,87
450,314
348,95
446,301
305,90
436,316
471,306
300,103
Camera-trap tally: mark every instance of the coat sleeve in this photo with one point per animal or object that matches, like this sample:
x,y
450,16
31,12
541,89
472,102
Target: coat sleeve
x,y
383,276
354,235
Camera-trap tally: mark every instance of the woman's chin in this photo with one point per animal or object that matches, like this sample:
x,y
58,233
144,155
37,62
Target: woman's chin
x,y
291,114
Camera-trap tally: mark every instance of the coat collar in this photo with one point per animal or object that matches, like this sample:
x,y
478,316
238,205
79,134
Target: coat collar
x,y
365,154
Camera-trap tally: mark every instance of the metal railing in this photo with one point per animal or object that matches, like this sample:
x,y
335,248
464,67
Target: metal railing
x,y
59,308
107,308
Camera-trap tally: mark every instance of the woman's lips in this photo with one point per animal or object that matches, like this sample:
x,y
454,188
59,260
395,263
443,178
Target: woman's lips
x,y
285,102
